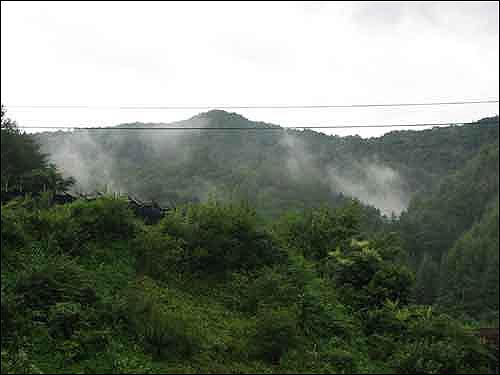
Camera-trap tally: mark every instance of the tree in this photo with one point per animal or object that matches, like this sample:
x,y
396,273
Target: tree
x,y
24,167
366,276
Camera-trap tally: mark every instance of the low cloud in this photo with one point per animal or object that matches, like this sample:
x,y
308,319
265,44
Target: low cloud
x,y
369,181
373,184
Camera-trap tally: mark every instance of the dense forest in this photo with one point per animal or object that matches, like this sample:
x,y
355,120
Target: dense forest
x,y
284,251
432,186
274,169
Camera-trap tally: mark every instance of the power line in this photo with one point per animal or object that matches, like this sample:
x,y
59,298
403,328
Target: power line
x,y
228,107
263,128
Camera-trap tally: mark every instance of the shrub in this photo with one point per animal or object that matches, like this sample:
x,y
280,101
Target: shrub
x,y
391,283
8,316
316,233
276,333
365,280
387,320
63,319
220,239
158,254
69,228
103,219
441,357
165,331
334,357
59,281
12,234
417,340
55,228
169,334
322,316
266,288
17,363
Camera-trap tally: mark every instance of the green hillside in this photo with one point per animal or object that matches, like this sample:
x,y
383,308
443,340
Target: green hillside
x,y
274,169
452,236
87,288
244,282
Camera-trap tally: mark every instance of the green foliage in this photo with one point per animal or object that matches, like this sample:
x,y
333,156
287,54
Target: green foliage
x,y
63,318
450,175
470,270
365,279
322,316
427,281
103,219
392,283
59,281
166,333
452,237
18,363
12,235
219,238
341,360
418,340
276,333
70,228
158,254
266,288
24,166
318,232
8,316
274,171
134,298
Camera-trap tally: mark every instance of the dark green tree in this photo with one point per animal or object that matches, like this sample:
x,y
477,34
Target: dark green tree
x,y
24,167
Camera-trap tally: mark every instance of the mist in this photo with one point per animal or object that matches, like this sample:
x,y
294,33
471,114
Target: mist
x,y
369,181
154,164
373,184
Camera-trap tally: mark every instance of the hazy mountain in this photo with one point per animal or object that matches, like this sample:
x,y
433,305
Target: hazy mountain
x,y
272,167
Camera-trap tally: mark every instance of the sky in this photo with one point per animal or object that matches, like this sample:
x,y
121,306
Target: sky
x,y
110,54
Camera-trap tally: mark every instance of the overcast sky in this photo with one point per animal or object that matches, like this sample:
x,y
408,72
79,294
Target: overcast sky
x,y
249,53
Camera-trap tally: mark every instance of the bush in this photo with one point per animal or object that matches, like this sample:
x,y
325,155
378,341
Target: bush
x,y
387,320
343,361
365,280
220,239
169,334
322,316
266,288
69,228
391,283
441,357
55,228
12,234
430,343
318,232
158,254
103,219
59,281
8,317
18,363
63,319
165,332
276,333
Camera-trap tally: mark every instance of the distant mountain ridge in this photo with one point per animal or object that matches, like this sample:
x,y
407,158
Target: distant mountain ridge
x,y
275,170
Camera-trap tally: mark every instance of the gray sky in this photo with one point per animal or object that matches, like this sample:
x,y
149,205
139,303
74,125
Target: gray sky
x,y
249,53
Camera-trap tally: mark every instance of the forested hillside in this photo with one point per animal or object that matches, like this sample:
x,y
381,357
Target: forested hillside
x,y
273,169
441,180
452,237
89,287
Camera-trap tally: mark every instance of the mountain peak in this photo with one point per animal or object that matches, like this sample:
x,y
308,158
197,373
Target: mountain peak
x,y
222,119
219,114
